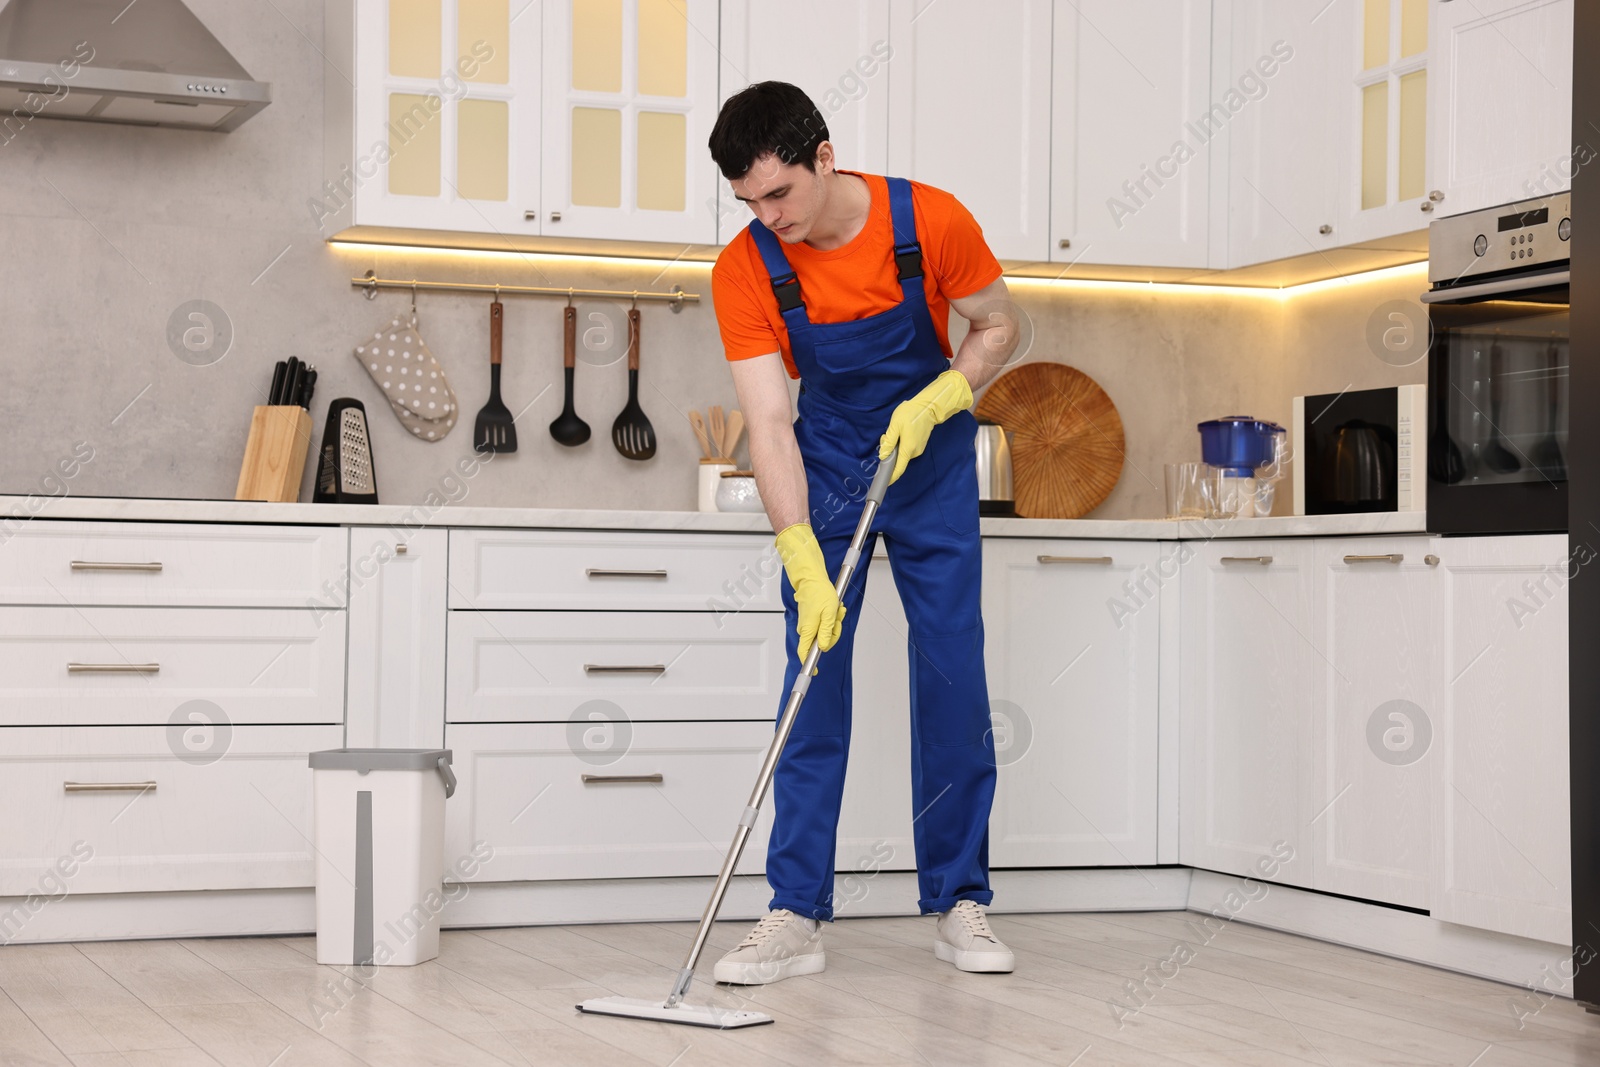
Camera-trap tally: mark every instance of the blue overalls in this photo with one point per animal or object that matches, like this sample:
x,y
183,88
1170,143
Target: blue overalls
x,y
853,374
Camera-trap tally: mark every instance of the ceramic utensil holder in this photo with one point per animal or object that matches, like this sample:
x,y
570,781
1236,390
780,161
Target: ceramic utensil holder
x,y
711,469
275,454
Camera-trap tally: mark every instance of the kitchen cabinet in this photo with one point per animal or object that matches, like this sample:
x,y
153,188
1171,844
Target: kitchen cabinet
x,y
398,590
875,817
1129,175
1246,664
1072,644
1502,841
655,800
839,54
1500,102
1282,186
972,116
1381,135
630,96
439,125
146,809
1372,705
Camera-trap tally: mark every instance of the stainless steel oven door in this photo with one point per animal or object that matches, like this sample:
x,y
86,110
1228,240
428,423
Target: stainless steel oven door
x,y
1498,408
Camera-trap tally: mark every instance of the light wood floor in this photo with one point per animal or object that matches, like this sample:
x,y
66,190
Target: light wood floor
x,y
1249,997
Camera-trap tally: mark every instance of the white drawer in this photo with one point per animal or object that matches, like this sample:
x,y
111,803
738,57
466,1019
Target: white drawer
x,y
541,666
521,789
137,666
85,563
241,822
587,570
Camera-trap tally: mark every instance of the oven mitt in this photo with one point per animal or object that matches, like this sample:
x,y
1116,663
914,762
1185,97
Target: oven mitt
x,y
411,378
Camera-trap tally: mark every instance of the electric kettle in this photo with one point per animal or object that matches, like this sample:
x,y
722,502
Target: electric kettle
x,y
995,495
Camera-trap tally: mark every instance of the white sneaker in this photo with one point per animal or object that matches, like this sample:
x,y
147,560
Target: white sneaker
x,y
782,945
964,939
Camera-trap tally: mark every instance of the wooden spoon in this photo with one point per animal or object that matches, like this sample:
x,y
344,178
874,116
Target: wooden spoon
x,y
699,425
732,433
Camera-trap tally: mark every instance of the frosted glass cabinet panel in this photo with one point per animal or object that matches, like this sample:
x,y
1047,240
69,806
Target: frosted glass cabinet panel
x,y
630,96
1385,92
447,114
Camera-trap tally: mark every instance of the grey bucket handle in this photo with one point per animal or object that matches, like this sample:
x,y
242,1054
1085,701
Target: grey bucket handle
x,y
448,775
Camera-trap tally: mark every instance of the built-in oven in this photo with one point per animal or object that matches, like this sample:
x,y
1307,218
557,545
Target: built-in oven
x,y
1498,356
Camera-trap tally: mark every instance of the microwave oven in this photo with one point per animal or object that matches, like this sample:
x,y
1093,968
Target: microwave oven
x,y
1360,450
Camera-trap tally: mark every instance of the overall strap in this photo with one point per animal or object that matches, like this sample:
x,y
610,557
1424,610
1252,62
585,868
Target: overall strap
x,y
785,286
907,252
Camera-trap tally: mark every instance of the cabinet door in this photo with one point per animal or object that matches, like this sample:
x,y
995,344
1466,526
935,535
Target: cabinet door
x,y
1129,178
1072,640
875,820
1502,843
1245,669
1374,705
630,91
969,107
1381,85
397,638
1282,192
1501,101
447,116
839,54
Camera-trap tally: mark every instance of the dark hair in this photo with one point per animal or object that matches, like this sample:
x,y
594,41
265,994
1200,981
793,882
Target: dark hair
x,y
767,117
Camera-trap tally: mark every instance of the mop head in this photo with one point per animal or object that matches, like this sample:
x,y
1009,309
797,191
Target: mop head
x,y
633,1008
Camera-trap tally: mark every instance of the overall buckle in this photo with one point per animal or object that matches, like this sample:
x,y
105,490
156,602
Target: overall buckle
x,y
908,261
786,288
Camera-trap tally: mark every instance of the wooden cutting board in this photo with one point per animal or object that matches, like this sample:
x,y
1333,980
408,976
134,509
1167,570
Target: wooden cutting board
x,y
1067,444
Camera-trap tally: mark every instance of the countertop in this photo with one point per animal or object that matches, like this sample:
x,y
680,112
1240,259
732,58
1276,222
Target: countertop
x,y
135,509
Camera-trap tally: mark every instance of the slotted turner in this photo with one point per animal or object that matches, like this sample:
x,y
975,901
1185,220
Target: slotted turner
x,y
632,433
496,430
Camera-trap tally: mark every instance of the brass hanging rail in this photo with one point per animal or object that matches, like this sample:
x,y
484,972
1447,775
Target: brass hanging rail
x,y
675,297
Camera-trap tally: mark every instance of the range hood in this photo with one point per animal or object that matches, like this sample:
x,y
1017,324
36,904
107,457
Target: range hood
x,y
145,63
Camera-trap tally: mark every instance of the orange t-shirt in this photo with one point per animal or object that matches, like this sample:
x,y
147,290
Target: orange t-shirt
x,y
856,279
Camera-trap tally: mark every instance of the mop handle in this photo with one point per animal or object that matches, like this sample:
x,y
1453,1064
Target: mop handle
x,y
747,821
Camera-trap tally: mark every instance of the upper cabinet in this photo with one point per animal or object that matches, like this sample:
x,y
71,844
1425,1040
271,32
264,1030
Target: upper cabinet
x,y
1131,126
445,128
839,54
630,91
1501,101
1282,144
972,117
1384,135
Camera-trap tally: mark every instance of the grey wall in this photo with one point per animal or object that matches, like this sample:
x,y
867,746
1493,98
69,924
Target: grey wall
x,y
108,229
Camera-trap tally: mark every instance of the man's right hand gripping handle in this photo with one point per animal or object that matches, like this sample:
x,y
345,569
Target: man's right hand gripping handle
x,y
821,614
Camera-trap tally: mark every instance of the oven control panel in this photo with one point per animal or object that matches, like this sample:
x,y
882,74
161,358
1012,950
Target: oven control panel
x,y
1518,236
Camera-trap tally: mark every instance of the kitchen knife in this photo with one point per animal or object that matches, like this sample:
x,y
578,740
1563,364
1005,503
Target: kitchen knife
x,y
308,384
291,389
280,371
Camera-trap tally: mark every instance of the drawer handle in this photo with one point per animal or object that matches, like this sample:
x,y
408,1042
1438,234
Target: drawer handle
x,y
625,668
613,572
113,668
1384,557
99,565
108,787
619,779
1263,560
1096,560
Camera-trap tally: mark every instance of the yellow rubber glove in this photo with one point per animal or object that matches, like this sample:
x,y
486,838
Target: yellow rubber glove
x,y
821,613
913,421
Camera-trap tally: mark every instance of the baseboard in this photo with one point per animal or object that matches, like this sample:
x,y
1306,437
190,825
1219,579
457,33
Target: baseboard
x,y
1404,935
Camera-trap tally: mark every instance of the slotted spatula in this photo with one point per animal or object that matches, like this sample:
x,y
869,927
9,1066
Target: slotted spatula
x,y
632,433
496,430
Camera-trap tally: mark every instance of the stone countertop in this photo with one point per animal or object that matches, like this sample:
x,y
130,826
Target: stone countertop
x,y
135,509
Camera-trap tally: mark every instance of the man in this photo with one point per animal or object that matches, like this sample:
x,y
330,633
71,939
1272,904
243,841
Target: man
x,y
845,281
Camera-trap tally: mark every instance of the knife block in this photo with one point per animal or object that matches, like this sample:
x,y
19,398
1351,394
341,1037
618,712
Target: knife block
x,y
275,454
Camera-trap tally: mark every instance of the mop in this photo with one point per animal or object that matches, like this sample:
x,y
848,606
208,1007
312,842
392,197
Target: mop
x,y
673,1009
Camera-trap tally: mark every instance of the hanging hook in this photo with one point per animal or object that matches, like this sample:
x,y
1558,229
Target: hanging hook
x,y
497,292
569,296
370,290
413,298
636,300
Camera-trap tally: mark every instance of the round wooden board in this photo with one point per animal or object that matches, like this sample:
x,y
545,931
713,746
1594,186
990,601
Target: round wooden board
x,y
1067,443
